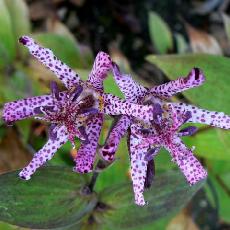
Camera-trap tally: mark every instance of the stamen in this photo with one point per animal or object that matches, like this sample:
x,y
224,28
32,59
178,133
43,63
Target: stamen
x,y
89,111
150,174
157,113
187,115
55,90
84,134
152,153
77,91
52,132
188,131
37,110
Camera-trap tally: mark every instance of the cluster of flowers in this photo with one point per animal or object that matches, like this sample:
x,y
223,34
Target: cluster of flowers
x,y
147,116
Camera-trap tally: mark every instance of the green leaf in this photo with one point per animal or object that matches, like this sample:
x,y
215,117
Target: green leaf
x,y
63,47
7,42
51,199
20,20
223,198
219,173
214,94
211,144
181,43
160,33
168,195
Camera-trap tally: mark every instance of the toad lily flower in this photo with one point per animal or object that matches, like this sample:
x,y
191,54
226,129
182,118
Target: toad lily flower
x,y
76,112
146,139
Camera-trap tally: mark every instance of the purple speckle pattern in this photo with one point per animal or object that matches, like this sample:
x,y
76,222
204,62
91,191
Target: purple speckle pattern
x,y
195,78
131,89
102,65
116,106
47,58
133,92
44,154
188,164
138,167
21,109
86,154
217,119
107,152
163,130
166,135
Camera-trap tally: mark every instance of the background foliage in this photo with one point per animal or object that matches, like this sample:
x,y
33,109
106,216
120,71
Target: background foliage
x,y
156,41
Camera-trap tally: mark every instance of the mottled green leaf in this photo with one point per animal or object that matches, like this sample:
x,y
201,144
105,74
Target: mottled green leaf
x,y
160,33
63,47
20,20
214,94
51,199
7,41
168,195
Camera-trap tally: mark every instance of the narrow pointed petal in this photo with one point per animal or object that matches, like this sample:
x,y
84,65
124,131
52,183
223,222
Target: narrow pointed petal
x,y
45,154
132,91
47,58
138,168
86,154
102,65
217,119
195,78
24,108
187,162
114,137
116,106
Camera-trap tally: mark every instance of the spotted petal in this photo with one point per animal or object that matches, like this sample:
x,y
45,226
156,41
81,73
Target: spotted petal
x,y
116,106
45,154
217,119
47,58
117,132
188,164
24,108
138,168
132,91
86,154
101,67
195,78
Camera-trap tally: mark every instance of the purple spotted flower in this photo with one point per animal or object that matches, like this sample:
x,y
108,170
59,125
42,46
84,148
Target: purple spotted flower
x,y
76,112
146,139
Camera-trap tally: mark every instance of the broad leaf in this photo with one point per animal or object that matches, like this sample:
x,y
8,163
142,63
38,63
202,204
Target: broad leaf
x,y
51,199
222,195
214,94
7,42
168,195
219,172
160,33
20,20
211,144
181,43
